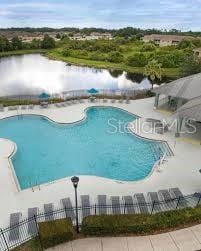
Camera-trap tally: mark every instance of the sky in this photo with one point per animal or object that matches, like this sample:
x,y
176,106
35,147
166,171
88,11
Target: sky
x,y
163,14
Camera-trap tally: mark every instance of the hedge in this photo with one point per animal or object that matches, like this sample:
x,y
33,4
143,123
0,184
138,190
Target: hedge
x,y
108,225
55,232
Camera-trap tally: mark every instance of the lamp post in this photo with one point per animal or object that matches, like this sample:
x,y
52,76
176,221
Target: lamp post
x,y
75,181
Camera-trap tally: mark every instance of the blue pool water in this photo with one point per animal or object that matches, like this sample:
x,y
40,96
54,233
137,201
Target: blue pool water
x,y
48,151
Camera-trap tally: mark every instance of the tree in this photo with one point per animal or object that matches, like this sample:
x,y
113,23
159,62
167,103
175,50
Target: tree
x,y
115,57
148,47
58,36
16,43
191,65
153,71
137,60
185,44
48,42
4,44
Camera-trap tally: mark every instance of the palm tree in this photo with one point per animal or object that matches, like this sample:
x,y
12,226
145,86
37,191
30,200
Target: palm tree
x,y
153,71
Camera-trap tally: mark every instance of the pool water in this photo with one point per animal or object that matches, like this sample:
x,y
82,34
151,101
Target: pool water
x,y
47,151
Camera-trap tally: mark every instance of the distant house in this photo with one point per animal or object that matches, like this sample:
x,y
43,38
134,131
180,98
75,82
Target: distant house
x,y
97,35
197,52
165,40
92,36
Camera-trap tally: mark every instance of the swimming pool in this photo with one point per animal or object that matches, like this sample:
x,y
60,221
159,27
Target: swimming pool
x,y
47,151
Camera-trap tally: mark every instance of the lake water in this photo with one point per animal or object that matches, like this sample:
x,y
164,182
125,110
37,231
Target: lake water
x,y
32,74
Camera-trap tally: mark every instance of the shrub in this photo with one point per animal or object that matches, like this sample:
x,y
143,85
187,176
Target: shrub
x,y
55,232
115,57
137,60
148,47
139,223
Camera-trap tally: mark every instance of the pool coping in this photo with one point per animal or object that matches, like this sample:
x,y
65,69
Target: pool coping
x,y
19,189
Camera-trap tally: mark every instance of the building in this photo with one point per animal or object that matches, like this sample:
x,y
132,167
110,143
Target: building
x,y
165,40
198,52
181,90
184,95
92,36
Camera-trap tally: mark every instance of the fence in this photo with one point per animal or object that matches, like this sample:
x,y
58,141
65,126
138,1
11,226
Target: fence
x,y
79,93
27,229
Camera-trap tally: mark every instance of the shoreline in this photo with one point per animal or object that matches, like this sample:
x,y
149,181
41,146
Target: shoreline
x,y
172,73
22,52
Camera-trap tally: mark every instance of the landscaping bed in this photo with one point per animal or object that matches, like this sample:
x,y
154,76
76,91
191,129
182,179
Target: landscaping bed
x,y
140,224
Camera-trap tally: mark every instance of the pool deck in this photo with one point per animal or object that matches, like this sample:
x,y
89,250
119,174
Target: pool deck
x,y
181,170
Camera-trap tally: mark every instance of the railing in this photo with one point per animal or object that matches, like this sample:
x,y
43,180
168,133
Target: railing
x,y
79,93
27,229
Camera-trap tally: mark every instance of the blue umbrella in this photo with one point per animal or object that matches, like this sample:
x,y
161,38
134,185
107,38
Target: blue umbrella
x,y
92,91
44,95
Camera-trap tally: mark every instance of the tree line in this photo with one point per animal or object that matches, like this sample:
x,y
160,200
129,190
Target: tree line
x,y
17,44
140,54
123,32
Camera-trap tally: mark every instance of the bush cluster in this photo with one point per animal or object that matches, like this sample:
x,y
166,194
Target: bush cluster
x,y
108,225
55,232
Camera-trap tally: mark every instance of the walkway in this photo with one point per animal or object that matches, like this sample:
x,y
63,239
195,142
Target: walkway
x,y
186,161
188,239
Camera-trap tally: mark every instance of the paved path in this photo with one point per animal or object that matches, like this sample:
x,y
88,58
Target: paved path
x,y
188,239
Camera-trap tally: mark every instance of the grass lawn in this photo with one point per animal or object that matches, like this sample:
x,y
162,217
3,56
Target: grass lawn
x,y
57,55
32,245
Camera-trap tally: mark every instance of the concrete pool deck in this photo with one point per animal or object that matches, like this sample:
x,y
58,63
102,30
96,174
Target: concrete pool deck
x,y
181,170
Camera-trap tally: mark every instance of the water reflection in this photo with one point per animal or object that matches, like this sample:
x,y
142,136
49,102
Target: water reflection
x,y
31,74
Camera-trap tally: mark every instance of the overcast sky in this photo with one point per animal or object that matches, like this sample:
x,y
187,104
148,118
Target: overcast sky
x,y
167,14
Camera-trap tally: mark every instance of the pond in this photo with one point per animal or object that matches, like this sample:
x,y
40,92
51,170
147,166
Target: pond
x,y
34,73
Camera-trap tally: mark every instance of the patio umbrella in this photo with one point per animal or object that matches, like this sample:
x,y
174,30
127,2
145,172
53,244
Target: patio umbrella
x,y
92,91
44,96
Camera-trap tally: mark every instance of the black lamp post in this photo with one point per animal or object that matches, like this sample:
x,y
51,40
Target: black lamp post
x,y
75,181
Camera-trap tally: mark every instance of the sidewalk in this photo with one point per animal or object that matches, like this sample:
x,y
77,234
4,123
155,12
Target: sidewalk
x,y
188,239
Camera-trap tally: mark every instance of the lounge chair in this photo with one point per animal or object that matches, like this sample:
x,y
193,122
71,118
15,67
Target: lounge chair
x,y
31,107
102,207
129,205
14,233
48,210
67,205
58,105
12,108
120,100
116,209
154,199
105,100
168,201
23,107
1,108
112,100
85,205
127,101
176,193
142,204
32,227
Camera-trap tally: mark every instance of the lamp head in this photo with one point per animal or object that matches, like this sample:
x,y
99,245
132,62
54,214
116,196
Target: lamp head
x,y
75,181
